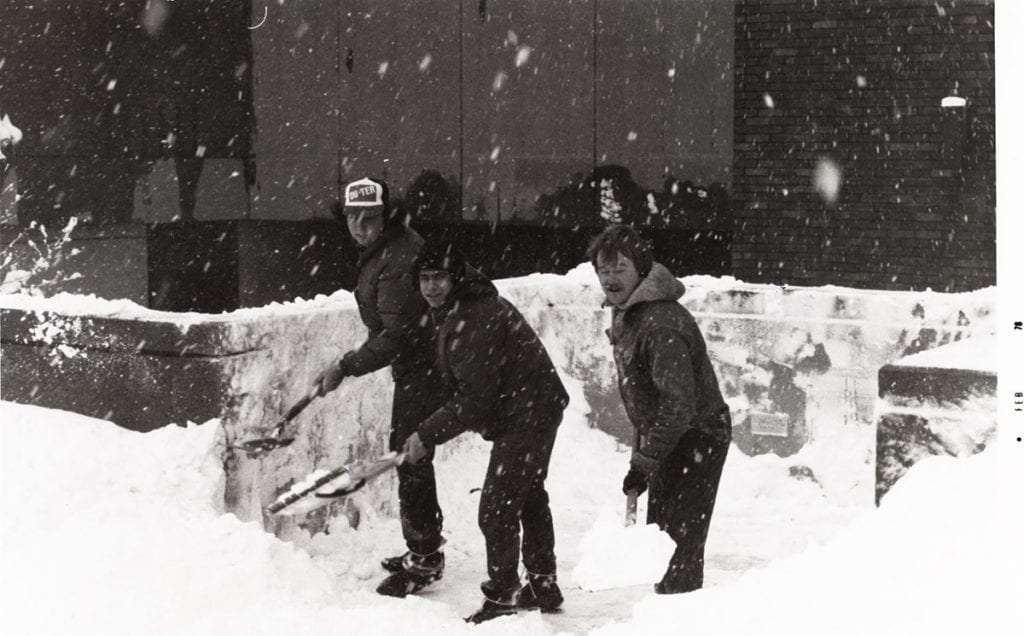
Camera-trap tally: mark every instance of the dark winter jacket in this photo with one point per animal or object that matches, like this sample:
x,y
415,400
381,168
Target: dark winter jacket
x,y
390,305
497,368
666,380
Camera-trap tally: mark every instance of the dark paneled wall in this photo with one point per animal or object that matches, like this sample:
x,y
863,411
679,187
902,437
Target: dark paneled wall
x,y
155,111
109,93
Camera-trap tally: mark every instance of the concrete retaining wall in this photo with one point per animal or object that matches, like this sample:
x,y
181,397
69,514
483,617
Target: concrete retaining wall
x,y
798,366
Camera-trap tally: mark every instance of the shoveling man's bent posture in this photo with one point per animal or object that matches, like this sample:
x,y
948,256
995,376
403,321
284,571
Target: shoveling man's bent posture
x,y
391,306
502,385
671,395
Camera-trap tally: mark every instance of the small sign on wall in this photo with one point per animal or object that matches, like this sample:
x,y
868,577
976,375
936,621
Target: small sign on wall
x,y
774,424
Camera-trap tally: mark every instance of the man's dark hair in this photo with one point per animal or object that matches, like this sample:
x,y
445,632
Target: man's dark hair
x,y
442,255
619,239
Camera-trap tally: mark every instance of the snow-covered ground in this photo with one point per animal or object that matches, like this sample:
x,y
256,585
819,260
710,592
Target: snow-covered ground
x,y
108,531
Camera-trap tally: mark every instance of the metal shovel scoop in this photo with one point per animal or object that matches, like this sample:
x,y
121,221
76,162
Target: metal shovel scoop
x,y
262,445
322,487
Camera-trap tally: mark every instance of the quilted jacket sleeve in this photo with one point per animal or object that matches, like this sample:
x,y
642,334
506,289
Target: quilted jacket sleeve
x,y
671,368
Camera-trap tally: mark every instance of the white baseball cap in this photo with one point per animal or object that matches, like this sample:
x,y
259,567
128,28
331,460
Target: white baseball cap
x,y
364,193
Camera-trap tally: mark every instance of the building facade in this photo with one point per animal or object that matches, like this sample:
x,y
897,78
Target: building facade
x,y
794,142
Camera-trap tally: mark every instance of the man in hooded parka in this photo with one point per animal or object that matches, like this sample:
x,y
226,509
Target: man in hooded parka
x,y
671,396
391,307
504,386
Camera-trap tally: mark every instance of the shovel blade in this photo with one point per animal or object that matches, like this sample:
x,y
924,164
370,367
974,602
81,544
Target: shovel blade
x,y
261,446
322,487
257,447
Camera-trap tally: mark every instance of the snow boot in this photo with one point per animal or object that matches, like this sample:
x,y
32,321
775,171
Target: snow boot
x,y
416,573
393,563
496,603
541,592
662,587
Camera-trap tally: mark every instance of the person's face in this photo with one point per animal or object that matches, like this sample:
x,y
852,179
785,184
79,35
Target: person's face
x,y
365,225
618,277
435,285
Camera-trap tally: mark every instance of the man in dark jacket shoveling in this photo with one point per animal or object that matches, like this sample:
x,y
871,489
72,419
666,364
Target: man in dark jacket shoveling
x,y
391,307
502,385
671,395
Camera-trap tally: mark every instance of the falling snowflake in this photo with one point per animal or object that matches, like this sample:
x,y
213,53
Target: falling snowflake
x,y
768,101
827,178
499,80
425,62
652,205
523,55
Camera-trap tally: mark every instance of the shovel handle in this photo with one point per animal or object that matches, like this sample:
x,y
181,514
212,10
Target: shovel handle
x,y
630,519
298,407
294,411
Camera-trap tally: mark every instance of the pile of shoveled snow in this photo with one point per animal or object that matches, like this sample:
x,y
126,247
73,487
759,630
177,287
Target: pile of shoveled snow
x,y
936,558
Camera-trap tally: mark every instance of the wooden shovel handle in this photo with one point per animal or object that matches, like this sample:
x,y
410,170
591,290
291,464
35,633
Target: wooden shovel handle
x,y
294,411
300,406
630,519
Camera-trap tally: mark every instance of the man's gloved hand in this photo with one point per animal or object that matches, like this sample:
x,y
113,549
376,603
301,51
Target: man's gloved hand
x,y
330,378
414,449
635,481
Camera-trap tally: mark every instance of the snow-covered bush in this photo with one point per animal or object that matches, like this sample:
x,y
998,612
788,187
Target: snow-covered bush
x,y
31,263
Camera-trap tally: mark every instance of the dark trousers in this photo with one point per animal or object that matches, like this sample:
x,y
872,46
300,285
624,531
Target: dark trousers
x,y
681,500
513,496
417,396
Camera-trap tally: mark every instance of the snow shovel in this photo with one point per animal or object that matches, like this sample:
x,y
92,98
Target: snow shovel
x,y
321,487
257,447
618,553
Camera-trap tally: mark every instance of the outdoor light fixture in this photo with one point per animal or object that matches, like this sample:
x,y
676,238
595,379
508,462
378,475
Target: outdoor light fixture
x,y
953,133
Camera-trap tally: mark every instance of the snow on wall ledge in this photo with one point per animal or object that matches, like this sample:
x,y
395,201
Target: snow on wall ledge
x,y
798,367
938,402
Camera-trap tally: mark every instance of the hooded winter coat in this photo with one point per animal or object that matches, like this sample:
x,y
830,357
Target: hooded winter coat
x,y
666,380
497,368
390,306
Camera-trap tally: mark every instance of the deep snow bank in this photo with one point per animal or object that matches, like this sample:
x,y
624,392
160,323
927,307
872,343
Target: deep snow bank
x,y
107,531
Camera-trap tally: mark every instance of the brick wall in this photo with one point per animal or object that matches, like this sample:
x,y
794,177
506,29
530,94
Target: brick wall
x,y
860,83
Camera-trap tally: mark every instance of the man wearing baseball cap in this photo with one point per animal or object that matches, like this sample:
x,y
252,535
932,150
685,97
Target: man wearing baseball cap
x,y
390,305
